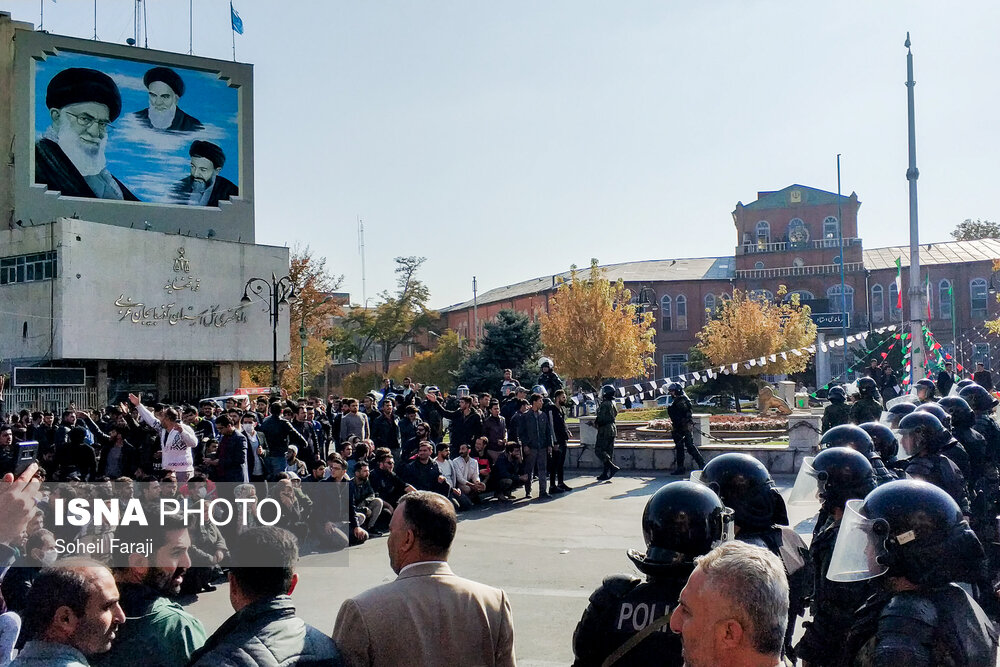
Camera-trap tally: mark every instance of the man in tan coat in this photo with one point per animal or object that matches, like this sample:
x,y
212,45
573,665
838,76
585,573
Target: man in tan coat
x,y
428,615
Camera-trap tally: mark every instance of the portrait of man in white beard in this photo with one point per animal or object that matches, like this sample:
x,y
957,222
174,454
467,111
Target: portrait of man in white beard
x,y
70,156
165,88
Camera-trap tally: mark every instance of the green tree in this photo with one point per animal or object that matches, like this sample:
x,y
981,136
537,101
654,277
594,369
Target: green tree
x,y
973,230
509,341
395,320
438,366
724,384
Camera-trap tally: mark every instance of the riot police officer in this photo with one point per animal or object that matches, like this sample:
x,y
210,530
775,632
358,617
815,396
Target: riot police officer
x,y
607,413
954,449
858,439
868,407
922,437
886,445
892,416
983,404
682,424
841,474
962,421
925,390
837,412
761,519
682,521
548,377
913,533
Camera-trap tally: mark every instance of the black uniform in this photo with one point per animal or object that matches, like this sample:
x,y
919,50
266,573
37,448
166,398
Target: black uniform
x,y
836,414
988,428
975,446
551,381
865,410
682,425
940,471
931,627
622,607
833,604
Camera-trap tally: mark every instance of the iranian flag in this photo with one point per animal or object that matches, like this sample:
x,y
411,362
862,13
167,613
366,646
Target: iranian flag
x,y
899,284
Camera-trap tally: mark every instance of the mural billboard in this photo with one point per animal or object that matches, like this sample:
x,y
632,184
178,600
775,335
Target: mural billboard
x,y
134,137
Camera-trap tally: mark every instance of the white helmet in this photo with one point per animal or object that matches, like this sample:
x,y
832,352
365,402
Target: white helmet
x,y
545,361
431,389
462,391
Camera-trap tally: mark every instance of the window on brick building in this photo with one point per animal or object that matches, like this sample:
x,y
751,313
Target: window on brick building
x,y
878,303
837,302
710,305
682,313
665,313
977,297
674,365
944,299
831,228
763,233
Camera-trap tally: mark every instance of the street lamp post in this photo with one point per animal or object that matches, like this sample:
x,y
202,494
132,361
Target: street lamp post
x,y
275,293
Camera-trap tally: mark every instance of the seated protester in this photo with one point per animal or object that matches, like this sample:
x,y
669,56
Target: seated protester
x,y
328,529
387,484
346,452
507,473
423,474
363,451
292,518
265,630
158,631
338,475
208,551
317,474
249,520
466,470
365,500
483,458
423,431
72,615
453,493
39,551
293,464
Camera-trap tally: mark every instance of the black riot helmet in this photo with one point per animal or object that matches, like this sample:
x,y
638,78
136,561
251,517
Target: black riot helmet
x,y
924,389
935,409
909,529
848,435
842,474
978,398
837,394
682,520
675,389
746,487
962,415
963,383
920,431
883,439
892,416
867,388
607,392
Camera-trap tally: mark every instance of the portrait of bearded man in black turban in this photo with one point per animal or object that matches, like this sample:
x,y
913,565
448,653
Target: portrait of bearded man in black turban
x,y
205,186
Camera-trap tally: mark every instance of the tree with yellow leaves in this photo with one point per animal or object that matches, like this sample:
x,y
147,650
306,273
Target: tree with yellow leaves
x,y
749,327
593,331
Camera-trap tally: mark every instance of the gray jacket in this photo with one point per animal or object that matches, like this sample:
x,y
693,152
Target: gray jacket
x,y
49,654
267,633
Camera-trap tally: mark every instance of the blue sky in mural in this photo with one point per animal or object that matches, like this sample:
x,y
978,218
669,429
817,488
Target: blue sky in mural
x,y
148,161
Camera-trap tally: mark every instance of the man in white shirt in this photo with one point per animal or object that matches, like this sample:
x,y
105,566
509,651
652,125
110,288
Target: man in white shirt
x,y
467,473
176,439
447,468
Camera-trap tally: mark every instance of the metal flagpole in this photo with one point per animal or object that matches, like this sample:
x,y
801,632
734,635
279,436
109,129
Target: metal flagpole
x,y
916,321
232,29
190,27
95,20
843,291
41,14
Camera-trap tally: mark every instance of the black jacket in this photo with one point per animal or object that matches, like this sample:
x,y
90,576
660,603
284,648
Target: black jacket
x,y
267,633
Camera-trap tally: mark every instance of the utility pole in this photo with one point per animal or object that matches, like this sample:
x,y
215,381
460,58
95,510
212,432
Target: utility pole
x,y
916,321
475,312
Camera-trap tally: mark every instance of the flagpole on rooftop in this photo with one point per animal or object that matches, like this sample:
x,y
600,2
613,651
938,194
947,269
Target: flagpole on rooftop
x,y
232,25
916,323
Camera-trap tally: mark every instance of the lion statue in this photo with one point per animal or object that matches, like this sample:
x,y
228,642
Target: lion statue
x,y
768,404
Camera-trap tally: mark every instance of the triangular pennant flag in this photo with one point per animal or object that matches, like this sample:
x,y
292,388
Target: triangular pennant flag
x,y
885,354
652,386
762,361
822,346
812,349
696,376
797,353
773,357
784,355
892,327
850,339
638,388
621,390
735,366
590,397
959,367
752,362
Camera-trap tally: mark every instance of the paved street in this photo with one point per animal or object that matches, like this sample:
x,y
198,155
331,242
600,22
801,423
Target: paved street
x,y
548,556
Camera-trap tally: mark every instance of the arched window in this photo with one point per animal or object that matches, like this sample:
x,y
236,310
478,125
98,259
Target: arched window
x,y
944,299
682,312
763,233
710,305
762,294
665,313
758,265
877,304
836,301
894,309
831,228
804,295
977,297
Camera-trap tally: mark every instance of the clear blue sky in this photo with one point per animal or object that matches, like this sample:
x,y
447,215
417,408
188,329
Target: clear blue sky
x,y
511,139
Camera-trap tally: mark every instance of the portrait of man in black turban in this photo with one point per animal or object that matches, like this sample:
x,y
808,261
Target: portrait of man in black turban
x,y
205,186
165,88
70,156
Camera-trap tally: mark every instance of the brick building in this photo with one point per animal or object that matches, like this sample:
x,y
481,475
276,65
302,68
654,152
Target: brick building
x,y
795,237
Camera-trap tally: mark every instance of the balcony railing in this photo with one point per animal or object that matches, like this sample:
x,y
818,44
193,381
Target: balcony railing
x,y
785,271
783,246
